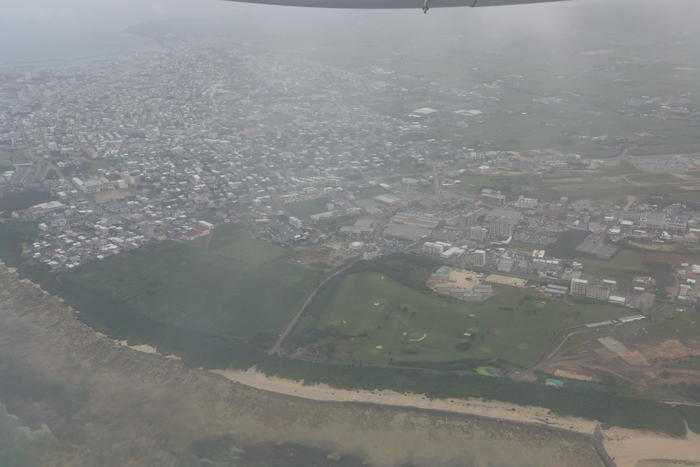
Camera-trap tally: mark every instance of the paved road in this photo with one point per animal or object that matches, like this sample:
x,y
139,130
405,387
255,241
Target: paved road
x,y
276,348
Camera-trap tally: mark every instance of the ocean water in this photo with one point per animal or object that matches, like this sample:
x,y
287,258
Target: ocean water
x,y
42,47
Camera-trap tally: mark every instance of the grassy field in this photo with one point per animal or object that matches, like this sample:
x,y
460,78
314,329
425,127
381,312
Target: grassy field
x,y
376,320
623,267
217,303
511,185
628,263
304,209
669,323
615,183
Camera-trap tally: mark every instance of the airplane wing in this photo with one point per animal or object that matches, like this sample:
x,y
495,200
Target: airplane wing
x,y
369,4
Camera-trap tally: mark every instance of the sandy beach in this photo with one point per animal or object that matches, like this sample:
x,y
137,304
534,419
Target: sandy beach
x,y
629,447
145,348
483,408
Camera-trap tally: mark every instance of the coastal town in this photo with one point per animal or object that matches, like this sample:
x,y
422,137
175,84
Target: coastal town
x,y
121,167
347,238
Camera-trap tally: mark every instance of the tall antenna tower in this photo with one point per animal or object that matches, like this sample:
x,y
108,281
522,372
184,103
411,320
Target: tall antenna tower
x,y
436,180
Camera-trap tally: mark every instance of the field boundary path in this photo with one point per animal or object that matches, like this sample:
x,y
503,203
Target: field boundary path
x,y
277,346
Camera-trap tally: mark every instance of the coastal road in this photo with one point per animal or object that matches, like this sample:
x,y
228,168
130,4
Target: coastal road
x,y
275,349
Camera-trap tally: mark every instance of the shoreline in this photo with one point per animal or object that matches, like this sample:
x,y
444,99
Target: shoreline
x,y
626,447
491,409
495,410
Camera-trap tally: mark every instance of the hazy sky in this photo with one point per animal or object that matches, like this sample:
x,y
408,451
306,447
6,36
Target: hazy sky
x,y
115,15
113,11
104,11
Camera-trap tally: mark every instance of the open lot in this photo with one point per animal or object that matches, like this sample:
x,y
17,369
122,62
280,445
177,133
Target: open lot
x,y
622,267
371,318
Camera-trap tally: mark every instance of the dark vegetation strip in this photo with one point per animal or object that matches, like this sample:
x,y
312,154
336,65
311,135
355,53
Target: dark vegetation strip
x,y
115,317
23,200
12,235
688,391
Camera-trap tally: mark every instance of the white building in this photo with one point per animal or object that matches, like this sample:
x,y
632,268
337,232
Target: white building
x,y
578,286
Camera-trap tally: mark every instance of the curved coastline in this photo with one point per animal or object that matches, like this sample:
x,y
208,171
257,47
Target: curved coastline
x,y
136,387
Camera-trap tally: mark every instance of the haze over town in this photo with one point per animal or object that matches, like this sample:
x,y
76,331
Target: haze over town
x,y
251,235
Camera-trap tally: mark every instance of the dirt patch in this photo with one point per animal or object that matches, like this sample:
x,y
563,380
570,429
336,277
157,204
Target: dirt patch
x,y
630,448
571,373
631,357
648,247
104,196
670,349
464,279
505,280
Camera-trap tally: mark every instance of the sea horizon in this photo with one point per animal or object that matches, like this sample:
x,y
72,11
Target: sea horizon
x,y
42,48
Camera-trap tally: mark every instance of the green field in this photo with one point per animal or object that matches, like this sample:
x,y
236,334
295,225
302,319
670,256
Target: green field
x,y
216,303
304,209
374,319
613,182
669,323
510,185
623,267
